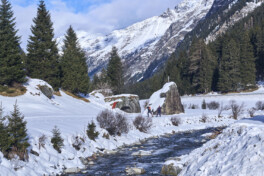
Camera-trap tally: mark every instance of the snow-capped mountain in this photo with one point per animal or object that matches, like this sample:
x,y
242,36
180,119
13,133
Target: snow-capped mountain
x,y
144,42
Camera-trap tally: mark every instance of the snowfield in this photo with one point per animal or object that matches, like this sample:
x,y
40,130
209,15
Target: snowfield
x,y
72,116
237,151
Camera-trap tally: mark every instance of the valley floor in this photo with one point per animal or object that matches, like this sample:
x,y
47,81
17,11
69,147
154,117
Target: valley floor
x,y
72,116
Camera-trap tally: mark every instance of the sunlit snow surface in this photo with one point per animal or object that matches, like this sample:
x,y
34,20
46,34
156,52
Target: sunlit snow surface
x,y
72,116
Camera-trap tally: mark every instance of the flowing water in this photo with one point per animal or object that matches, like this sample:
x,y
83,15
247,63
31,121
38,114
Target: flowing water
x,y
162,148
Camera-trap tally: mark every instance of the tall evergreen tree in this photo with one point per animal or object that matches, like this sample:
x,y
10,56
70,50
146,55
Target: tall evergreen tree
x,y
247,61
4,143
229,73
73,64
260,53
115,72
43,58
17,131
11,66
206,71
202,64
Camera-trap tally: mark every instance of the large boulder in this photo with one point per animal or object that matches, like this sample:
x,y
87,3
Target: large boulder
x,y
46,90
126,102
135,171
168,98
170,169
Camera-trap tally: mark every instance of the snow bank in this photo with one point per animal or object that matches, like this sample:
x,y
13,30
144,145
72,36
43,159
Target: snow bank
x,y
72,116
237,151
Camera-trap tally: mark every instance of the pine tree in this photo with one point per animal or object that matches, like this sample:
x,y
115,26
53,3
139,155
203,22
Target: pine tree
x,y
17,131
203,104
11,66
202,64
260,54
43,58
73,64
229,73
56,139
195,55
91,133
4,143
247,61
115,72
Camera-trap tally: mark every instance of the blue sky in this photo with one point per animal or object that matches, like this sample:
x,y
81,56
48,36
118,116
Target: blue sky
x,y
92,16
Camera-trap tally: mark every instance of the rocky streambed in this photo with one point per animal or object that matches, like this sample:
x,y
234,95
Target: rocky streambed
x,y
146,158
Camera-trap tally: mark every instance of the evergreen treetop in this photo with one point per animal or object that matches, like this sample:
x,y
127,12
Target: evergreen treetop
x,y
43,58
115,72
11,66
73,64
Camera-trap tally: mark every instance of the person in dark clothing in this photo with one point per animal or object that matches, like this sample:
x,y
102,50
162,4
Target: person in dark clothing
x,y
149,111
159,111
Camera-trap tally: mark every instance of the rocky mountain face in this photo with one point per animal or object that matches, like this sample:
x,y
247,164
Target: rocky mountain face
x,y
145,46
235,17
147,42
223,15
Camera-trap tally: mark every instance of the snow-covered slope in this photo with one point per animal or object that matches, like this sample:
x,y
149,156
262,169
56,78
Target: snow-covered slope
x,y
72,116
142,43
237,151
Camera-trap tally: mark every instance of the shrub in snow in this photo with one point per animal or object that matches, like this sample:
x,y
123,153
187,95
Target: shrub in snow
x,y
236,109
122,124
176,121
220,110
41,141
77,142
106,136
115,124
203,105
204,118
251,112
193,106
56,139
260,105
142,124
91,133
213,105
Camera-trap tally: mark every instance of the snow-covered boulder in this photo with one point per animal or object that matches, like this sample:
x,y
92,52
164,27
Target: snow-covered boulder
x,y
72,170
142,153
126,102
168,98
135,171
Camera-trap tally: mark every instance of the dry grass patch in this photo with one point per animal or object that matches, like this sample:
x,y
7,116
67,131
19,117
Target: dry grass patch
x,y
215,134
57,93
12,91
77,97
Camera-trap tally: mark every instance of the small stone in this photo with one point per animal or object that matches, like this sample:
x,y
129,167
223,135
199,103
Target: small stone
x,y
34,152
91,163
142,153
72,170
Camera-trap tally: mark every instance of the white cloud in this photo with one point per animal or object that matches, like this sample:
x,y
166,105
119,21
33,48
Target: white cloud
x,y
102,18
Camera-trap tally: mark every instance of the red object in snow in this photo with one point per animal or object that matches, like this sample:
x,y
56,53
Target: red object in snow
x,y
114,105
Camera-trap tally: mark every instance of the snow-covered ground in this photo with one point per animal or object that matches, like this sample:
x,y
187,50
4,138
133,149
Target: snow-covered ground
x,y
237,151
72,116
